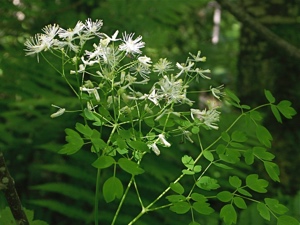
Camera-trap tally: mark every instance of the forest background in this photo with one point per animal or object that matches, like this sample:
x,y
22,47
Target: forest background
x,y
247,55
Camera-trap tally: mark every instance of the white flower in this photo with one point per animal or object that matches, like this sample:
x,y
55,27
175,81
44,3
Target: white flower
x,y
145,61
92,91
93,27
113,38
70,33
217,91
201,72
59,112
207,117
36,44
153,97
162,66
163,140
131,46
184,68
154,148
197,57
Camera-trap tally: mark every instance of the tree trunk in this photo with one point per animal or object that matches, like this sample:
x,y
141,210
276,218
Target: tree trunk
x,y
262,65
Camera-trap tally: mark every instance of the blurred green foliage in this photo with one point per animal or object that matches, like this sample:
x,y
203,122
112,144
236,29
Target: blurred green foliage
x,y
60,188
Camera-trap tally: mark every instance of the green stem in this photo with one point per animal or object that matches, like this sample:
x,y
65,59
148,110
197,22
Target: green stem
x,y
122,201
97,196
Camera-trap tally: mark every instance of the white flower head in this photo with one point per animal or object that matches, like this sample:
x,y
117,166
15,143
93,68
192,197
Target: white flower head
x,y
93,27
162,66
145,61
154,148
131,46
184,68
163,140
59,112
217,91
197,58
207,117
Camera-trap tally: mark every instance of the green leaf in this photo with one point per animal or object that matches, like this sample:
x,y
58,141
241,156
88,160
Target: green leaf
x,y
263,135
287,220
203,208
262,153
228,214
207,183
224,196
177,187
130,166
244,192
276,113
263,211
112,189
273,170
188,172
232,96
256,116
275,206
208,155
84,129
180,207
175,198
239,202
195,130
138,145
198,197
249,157
97,141
74,144
197,169
103,162
188,161
225,136
286,110
238,136
235,181
231,155
255,184
269,96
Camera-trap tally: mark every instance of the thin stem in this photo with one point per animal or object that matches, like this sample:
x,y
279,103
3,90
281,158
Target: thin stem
x,y
97,196
122,201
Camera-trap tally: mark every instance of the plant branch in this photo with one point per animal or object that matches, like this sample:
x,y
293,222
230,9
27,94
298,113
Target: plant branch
x,y
260,29
7,185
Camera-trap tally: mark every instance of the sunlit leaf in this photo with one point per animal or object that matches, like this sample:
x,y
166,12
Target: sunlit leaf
x,y
228,214
263,211
275,206
256,184
286,110
224,196
273,170
207,183
180,207
177,187
287,220
263,135
235,181
103,162
130,166
240,202
112,189
203,208
74,144
269,96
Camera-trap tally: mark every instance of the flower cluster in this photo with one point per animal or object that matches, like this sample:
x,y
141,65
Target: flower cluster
x,y
113,81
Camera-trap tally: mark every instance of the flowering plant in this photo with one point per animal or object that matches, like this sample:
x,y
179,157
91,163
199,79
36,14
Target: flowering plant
x,y
108,75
